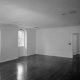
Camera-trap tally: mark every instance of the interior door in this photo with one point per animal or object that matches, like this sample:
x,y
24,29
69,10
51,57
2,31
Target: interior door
x,y
76,52
76,43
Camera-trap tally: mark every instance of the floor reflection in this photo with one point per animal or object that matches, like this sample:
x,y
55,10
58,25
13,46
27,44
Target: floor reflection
x,y
37,67
20,72
0,77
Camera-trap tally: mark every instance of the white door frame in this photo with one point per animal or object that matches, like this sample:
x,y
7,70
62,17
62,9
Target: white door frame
x,y
76,43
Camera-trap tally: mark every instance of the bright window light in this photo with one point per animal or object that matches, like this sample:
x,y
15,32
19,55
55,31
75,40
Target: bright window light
x,y
21,38
20,72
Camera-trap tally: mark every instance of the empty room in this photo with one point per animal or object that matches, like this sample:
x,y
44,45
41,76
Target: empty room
x,y
39,39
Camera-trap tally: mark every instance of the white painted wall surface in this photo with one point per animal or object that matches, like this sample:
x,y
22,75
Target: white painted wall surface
x,y
31,41
9,42
54,41
0,45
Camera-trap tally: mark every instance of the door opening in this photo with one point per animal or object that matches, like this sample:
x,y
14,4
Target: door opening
x,y
76,52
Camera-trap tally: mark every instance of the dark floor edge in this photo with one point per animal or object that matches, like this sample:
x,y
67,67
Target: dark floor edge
x,y
32,56
52,56
28,56
12,60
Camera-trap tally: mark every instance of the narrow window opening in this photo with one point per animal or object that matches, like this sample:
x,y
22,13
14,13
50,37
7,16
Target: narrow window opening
x,y
21,38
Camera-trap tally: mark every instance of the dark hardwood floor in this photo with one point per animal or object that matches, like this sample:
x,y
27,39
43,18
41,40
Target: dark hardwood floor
x,y
39,67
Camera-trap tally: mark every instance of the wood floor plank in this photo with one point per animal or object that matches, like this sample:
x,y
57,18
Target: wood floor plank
x,y
38,67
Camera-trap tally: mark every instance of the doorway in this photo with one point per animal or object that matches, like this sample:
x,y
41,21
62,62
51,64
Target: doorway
x,y
76,52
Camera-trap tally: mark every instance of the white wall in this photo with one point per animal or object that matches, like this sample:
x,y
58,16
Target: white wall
x,y
31,41
0,45
54,41
9,42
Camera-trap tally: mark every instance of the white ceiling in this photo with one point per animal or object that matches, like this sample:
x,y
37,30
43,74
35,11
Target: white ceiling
x,y
40,13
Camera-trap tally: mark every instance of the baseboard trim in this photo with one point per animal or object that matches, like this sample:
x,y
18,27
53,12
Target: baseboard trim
x,y
27,56
30,56
52,56
12,60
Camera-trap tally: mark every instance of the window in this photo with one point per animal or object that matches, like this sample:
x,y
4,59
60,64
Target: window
x,y
21,37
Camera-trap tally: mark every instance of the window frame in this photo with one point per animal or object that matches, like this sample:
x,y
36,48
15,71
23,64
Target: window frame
x,y
21,44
